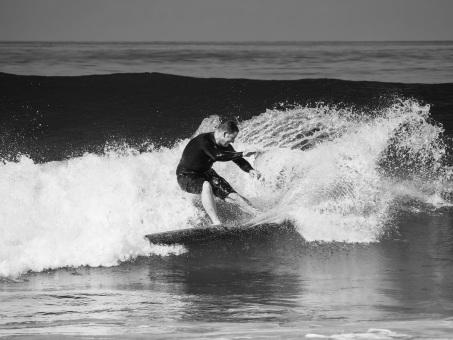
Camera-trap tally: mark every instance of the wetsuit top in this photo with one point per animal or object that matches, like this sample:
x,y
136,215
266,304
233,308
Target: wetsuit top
x,y
202,151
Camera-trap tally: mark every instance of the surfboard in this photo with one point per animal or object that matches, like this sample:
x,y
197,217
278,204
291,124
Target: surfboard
x,y
200,235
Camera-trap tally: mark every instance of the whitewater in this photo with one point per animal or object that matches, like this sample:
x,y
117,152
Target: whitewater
x,y
337,174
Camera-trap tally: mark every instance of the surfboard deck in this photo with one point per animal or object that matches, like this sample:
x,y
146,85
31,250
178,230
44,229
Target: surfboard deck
x,y
199,235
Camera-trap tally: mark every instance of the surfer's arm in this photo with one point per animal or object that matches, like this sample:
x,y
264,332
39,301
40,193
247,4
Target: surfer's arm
x,y
244,165
241,162
219,155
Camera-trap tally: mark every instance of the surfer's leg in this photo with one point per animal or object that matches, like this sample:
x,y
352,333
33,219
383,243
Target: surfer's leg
x,y
242,203
207,199
223,190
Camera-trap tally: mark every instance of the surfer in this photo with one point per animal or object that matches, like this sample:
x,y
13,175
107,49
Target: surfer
x,y
196,176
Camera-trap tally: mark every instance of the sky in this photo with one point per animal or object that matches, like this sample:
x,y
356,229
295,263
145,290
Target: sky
x,y
225,20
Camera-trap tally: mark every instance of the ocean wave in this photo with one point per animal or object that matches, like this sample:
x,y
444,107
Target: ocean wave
x,y
330,171
55,118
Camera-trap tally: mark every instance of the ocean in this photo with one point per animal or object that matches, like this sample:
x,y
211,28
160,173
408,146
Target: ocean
x,y
354,144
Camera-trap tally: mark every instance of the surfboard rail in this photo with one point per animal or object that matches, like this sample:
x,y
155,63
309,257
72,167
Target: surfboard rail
x,y
200,235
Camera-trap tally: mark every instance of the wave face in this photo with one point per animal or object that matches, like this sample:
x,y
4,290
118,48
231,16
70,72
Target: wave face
x,y
336,174
55,118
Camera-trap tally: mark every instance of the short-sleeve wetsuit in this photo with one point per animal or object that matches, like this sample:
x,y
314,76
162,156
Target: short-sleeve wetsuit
x,y
195,166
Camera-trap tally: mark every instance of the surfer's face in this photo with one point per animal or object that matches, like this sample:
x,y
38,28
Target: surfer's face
x,y
228,138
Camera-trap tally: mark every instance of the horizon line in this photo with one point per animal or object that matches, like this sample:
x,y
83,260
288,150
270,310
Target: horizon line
x,y
216,42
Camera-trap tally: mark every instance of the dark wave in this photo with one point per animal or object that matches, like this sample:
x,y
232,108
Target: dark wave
x,y
51,118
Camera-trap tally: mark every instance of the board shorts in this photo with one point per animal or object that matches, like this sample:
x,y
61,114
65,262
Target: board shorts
x,y
192,182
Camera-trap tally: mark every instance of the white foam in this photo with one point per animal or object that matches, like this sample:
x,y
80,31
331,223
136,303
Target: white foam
x,y
93,210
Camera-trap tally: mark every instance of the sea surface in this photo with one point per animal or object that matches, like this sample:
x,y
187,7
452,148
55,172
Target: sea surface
x,y
354,144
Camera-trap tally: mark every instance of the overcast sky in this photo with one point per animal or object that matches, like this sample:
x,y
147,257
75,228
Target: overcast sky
x,y
225,20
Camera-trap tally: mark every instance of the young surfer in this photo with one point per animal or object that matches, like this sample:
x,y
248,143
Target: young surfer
x,y
195,174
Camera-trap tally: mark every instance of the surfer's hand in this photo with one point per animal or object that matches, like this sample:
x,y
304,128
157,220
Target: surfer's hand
x,y
255,174
248,153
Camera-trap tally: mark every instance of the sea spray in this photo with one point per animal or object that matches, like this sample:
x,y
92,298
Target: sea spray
x,y
326,169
